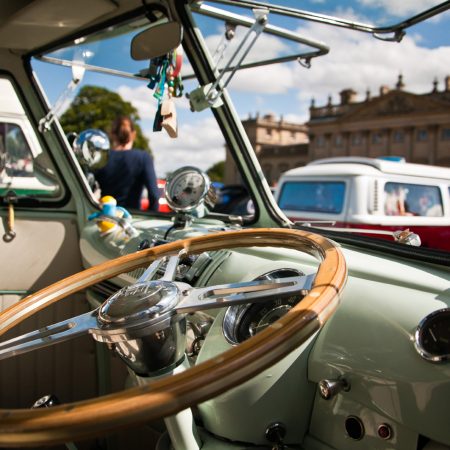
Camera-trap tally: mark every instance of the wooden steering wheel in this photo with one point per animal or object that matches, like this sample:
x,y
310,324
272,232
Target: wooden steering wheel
x,y
169,395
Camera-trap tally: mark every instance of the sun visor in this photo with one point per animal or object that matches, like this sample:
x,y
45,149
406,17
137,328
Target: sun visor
x,y
31,24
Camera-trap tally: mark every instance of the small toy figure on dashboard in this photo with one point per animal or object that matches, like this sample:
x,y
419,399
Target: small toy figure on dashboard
x,y
108,218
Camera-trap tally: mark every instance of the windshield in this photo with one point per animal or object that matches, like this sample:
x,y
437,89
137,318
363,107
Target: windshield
x,y
304,90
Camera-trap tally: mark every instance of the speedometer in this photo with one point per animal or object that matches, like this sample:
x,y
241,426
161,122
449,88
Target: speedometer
x,y
189,188
244,321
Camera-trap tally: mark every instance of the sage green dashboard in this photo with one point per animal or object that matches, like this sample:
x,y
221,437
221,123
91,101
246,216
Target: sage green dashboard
x,y
394,398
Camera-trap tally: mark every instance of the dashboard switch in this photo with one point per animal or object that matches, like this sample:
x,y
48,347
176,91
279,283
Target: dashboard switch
x,y
385,431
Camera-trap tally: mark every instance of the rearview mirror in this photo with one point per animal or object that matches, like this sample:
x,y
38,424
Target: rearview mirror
x,y
157,40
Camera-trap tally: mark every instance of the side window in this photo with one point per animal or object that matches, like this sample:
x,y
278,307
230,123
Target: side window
x,y
313,196
17,156
24,168
404,199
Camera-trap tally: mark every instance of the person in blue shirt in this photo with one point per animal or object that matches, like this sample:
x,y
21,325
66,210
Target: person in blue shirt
x,y
128,170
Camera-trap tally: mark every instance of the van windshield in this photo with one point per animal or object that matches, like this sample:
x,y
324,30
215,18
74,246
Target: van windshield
x,y
313,196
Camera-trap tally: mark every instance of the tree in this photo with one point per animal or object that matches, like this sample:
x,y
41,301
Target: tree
x,y
216,171
97,107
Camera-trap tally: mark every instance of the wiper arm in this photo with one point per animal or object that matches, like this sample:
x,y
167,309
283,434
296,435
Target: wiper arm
x,y
401,236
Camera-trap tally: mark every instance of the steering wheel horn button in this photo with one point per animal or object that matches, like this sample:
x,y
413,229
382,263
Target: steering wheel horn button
x,y
140,301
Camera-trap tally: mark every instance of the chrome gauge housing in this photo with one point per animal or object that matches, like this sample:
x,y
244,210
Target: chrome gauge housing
x,y
188,189
244,321
432,337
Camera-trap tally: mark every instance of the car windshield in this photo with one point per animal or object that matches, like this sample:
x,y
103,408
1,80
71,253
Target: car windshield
x,y
302,89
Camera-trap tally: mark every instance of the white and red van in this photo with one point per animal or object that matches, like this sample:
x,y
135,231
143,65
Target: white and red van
x,y
371,194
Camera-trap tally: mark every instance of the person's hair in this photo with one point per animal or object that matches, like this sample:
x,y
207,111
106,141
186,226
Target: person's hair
x,y
119,133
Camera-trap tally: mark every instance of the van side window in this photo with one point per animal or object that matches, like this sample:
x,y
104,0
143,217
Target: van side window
x,y
404,199
20,172
313,196
17,159
25,170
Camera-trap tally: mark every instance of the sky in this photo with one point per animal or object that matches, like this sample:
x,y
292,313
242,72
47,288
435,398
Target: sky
x,y
356,60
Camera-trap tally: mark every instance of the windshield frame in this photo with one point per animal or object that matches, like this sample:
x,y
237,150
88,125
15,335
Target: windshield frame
x,y
267,211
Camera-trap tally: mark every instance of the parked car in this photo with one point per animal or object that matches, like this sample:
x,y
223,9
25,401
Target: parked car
x,y
162,202
367,193
233,199
191,330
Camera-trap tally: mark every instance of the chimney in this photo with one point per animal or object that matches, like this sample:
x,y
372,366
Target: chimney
x,y
269,116
400,85
435,85
347,96
384,90
447,83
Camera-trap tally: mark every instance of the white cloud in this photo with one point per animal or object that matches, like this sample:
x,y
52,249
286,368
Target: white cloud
x,y
200,143
257,79
400,7
141,98
266,45
359,61
294,118
274,79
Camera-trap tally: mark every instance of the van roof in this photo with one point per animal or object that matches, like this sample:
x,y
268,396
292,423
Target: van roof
x,y
368,166
11,105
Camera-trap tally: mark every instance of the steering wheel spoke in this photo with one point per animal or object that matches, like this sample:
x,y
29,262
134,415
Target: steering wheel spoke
x,y
169,271
49,335
242,293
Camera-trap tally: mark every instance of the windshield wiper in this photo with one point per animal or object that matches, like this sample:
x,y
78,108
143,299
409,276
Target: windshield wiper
x,y
424,254
400,236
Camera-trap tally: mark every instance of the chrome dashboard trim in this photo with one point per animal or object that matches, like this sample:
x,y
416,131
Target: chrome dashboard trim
x,y
417,338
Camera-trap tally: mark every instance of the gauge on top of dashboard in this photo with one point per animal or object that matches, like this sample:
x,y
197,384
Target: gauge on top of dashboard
x,y
432,338
188,189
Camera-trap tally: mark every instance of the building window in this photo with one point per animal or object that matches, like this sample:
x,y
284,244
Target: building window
x,y
283,167
338,141
320,141
399,136
356,139
377,137
445,136
422,135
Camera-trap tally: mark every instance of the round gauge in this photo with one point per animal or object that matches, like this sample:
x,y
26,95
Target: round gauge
x,y
432,338
244,321
187,189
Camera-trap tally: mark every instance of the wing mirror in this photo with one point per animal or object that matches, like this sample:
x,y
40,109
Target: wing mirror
x,y
157,40
91,147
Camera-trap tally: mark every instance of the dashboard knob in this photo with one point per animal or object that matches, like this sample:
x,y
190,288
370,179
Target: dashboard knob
x,y
46,402
329,388
144,244
275,433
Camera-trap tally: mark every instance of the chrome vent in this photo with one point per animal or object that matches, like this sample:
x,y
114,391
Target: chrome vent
x,y
376,204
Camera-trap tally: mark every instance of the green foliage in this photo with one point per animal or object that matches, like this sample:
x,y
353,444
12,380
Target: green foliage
x,y
97,107
216,171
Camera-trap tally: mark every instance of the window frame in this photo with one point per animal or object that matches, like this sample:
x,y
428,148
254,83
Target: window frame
x,y
28,126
